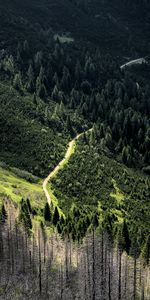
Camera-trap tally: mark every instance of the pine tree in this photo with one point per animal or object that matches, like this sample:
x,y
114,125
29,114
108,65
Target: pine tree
x,y
70,127
55,93
17,82
30,86
126,156
25,216
19,53
47,213
29,205
9,65
108,140
56,217
55,80
26,48
30,73
3,213
65,82
40,88
38,60
95,221
42,75
42,93
127,241
30,83
78,72
86,87
146,251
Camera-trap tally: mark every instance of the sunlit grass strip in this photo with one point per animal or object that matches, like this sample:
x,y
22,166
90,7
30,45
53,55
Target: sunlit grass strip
x,y
118,195
16,188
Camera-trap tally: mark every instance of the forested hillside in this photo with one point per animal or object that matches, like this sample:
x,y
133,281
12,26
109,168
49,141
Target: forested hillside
x,y
120,28
61,84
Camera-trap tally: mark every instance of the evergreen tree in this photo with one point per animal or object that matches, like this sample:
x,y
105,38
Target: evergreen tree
x,y
56,217
127,156
30,72
86,87
25,216
95,221
3,213
19,53
55,80
47,213
65,82
26,48
30,86
78,72
55,93
9,65
127,241
17,82
40,88
42,75
29,205
108,140
30,82
38,60
146,251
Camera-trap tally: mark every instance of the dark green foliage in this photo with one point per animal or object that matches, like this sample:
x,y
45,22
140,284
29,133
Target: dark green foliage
x,y
127,241
59,228
25,216
93,24
87,179
29,206
3,213
126,156
146,251
104,95
79,78
17,82
47,213
95,221
56,216
31,138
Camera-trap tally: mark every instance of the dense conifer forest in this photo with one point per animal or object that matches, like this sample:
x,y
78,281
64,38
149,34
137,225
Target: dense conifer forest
x,y
61,80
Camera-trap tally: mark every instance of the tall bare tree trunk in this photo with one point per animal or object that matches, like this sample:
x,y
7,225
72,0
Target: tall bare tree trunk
x,y
102,266
66,259
134,282
93,265
109,275
119,275
40,266
88,268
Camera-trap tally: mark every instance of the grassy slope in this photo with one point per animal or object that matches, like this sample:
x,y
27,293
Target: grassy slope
x,y
15,188
27,140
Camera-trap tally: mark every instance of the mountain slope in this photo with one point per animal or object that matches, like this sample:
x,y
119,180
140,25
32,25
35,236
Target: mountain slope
x,y
92,179
33,135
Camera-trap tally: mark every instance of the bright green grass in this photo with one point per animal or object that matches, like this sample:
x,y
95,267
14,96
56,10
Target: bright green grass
x,y
62,165
16,188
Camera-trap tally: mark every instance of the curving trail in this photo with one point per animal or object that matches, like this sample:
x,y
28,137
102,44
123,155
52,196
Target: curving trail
x,y
72,144
67,156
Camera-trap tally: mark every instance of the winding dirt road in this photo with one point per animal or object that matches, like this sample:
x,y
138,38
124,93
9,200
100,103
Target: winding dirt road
x,y
67,156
